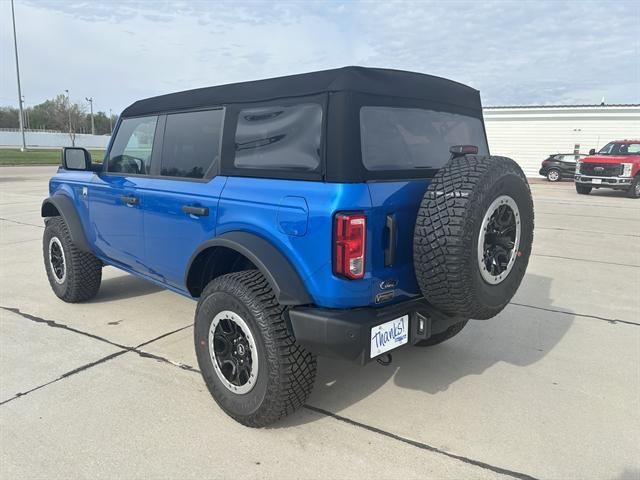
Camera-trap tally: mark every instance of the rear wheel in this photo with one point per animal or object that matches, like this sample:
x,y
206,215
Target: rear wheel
x,y
473,236
251,364
553,175
583,189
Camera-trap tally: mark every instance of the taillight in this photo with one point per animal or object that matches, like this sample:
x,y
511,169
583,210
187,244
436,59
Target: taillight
x,y
349,237
545,163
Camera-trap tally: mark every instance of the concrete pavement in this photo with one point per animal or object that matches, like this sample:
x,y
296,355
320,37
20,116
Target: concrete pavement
x,y
548,389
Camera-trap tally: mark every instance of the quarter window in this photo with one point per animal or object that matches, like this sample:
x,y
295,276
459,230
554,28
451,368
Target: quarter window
x,y
279,137
131,149
191,145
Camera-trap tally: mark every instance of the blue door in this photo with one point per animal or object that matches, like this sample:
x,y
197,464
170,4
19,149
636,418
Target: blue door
x,y
178,217
181,201
116,220
115,199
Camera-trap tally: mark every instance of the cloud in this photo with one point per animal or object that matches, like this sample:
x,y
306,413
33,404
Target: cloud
x,y
513,52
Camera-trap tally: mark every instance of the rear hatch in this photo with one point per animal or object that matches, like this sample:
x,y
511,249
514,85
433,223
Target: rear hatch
x,y
415,142
390,226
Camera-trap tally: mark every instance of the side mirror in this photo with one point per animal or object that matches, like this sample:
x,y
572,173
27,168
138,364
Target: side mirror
x,y
76,158
592,151
461,150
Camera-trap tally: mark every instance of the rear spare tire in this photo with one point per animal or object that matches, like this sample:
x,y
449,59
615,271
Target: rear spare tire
x,y
473,236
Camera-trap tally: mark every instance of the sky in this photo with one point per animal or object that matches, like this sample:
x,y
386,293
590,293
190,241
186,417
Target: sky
x,y
514,52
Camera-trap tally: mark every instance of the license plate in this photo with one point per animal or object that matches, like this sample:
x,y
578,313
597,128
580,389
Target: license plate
x,y
597,181
389,335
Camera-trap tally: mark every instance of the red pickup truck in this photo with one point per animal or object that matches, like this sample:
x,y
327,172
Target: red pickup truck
x,y
616,166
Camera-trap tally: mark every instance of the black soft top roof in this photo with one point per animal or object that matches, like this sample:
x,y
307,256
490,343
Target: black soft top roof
x,y
372,81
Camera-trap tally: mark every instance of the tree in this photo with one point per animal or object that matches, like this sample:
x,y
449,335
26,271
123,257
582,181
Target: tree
x,y
71,115
9,117
103,126
57,114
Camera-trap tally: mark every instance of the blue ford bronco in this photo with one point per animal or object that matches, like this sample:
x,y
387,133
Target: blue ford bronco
x,y
341,213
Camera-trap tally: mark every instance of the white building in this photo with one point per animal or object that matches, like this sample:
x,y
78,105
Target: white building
x,y
531,134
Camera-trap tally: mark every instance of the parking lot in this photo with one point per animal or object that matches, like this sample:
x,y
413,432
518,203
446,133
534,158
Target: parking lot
x,y
548,389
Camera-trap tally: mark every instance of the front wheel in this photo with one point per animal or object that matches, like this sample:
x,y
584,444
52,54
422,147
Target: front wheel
x,y
251,364
553,175
583,189
74,275
634,189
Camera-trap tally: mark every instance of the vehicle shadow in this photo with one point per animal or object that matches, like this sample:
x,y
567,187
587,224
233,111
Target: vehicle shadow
x,y
606,192
122,287
519,335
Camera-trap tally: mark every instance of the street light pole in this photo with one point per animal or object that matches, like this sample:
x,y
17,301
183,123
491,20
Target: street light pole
x,y
93,127
110,122
73,140
27,123
15,47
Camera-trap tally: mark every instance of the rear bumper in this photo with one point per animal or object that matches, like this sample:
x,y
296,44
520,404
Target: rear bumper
x,y
346,334
618,183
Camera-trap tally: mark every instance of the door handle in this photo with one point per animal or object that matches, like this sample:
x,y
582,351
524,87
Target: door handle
x,y
197,211
130,200
390,251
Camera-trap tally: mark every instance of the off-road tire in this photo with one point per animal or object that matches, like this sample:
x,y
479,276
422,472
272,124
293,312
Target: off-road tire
x,y
450,332
447,230
286,370
633,191
83,269
583,189
557,179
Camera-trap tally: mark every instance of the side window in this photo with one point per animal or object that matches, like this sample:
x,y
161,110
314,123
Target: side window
x,y
191,145
131,149
633,148
280,138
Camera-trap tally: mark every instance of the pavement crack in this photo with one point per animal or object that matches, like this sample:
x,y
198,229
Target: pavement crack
x,y
589,216
123,349
580,204
54,324
66,375
588,231
584,315
584,260
420,445
21,223
182,366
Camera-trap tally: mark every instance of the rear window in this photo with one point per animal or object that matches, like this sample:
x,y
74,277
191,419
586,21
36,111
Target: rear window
x,y
614,148
279,138
395,138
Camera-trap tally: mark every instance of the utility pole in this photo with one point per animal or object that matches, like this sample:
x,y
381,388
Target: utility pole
x,y
27,123
110,122
73,140
15,46
93,127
